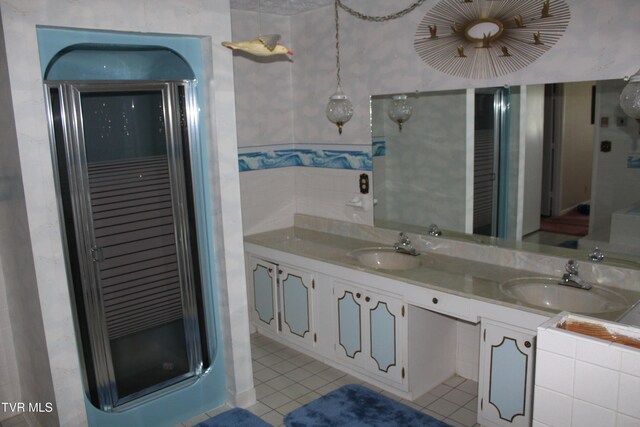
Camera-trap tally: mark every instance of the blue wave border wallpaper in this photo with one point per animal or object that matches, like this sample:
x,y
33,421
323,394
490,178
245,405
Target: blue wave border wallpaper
x,y
307,157
379,148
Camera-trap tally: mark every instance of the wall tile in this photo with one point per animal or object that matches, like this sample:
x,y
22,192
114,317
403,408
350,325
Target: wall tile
x,y
556,341
596,385
628,395
587,414
597,352
554,372
551,408
629,361
625,421
325,193
267,199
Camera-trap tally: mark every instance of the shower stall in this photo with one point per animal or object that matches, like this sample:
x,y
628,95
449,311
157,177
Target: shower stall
x,y
122,154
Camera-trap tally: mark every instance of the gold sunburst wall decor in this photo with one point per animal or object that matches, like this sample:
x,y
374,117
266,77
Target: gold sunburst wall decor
x,y
482,39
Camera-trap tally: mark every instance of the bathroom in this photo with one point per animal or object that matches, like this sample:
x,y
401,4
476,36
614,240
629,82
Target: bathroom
x,y
251,107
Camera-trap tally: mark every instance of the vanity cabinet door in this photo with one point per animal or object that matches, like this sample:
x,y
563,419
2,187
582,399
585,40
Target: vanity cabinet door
x,y
348,303
263,293
369,330
281,300
296,290
385,321
506,363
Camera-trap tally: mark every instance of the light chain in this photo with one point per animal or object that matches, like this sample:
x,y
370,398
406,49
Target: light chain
x,y
380,18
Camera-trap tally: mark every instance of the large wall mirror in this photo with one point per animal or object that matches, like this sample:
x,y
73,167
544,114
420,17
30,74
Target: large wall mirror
x,y
549,168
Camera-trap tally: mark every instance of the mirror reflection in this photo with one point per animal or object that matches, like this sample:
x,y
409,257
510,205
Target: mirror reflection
x,y
546,167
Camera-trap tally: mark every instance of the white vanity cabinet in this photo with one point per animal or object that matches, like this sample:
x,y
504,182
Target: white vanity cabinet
x,y
363,324
506,381
370,334
282,300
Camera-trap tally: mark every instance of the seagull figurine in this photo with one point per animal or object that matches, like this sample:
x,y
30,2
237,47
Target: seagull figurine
x,y
266,45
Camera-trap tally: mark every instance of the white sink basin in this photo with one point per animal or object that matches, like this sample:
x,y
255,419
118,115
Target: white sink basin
x,y
545,292
385,258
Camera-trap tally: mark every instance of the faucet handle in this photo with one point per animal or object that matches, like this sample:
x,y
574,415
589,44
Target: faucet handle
x,y
434,230
596,255
572,267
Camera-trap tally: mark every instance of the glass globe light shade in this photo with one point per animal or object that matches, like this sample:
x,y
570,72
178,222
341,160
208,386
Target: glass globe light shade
x,y
630,97
339,109
400,110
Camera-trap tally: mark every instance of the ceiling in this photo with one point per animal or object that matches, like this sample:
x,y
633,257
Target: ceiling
x,y
279,7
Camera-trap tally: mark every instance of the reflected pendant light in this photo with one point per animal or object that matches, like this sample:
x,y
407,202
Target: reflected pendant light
x,y
339,109
630,97
400,110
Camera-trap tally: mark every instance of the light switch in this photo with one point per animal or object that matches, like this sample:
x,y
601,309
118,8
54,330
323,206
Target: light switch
x,y
364,183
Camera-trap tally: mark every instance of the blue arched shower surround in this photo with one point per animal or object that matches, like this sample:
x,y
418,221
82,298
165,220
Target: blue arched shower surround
x,y
148,72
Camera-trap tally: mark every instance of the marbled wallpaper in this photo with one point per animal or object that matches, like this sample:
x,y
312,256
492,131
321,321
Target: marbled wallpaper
x,y
616,185
379,58
425,164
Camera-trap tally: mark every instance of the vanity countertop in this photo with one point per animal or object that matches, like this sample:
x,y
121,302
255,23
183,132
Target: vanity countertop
x,y
453,275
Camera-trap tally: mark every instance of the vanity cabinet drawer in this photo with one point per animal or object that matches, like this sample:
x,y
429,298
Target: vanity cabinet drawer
x,y
442,302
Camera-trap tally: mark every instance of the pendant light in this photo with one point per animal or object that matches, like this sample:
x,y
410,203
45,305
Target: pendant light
x,y
400,110
339,109
630,97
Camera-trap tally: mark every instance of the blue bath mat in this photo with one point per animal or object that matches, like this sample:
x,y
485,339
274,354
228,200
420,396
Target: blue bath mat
x,y
357,406
235,417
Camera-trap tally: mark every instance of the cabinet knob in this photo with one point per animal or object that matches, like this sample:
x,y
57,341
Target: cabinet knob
x,y
358,295
527,344
270,270
434,300
367,299
279,271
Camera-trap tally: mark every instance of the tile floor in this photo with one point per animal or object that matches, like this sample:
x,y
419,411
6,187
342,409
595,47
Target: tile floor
x,y
286,379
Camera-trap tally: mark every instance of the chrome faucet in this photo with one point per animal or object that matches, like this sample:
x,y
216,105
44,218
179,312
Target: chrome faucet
x,y
434,230
404,246
596,255
571,278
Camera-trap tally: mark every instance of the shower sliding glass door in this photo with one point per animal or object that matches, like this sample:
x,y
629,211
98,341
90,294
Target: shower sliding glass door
x,y
491,162
124,172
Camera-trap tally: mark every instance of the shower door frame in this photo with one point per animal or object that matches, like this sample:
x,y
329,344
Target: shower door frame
x,y
500,159
179,163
